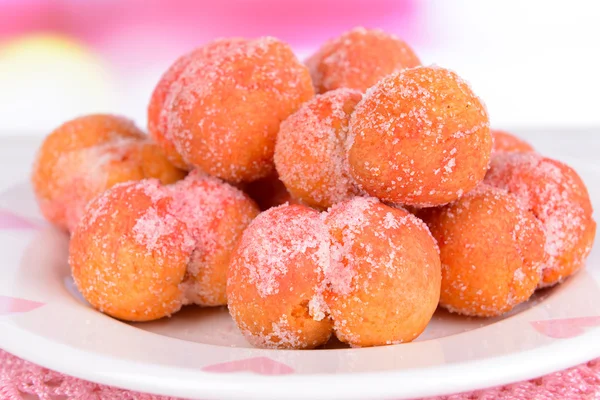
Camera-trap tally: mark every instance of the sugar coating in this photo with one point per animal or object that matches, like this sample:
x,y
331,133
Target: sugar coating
x,y
215,215
358,59
280,335
560,201
504,141
337,266
352,219
224,111
317,306
419,137
277,243
151,226
491,249
310,154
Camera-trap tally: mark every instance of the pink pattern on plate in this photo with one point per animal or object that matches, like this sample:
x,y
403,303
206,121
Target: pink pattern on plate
x,y
257,365
10,220
565,328
13,305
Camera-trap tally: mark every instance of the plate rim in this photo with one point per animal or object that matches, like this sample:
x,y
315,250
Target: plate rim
x,y
407,383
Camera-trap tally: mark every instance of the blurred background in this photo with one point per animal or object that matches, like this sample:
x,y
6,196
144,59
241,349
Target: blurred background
x,y
534,63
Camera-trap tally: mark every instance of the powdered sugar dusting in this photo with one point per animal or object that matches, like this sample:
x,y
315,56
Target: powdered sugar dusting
x,y
519,276
317,307
282,335
206,205
278,239
350,221
389,221
151,226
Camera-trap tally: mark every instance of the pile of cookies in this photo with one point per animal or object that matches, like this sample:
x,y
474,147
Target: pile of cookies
x,y
349,196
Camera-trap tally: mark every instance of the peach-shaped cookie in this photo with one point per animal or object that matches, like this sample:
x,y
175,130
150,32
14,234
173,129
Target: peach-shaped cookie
x,y
559,199
310,154
504,141
223,113
358,59
419,137
87,155
383,281
157,115
491,249
274,277
128,254
139,234
216,214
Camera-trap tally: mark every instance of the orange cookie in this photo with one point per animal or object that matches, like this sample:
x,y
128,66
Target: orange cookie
x,y
274,277
491,249
558,198
129,254
358,59
383,281
157,115
87,155
504,141
223,112
142,250
310,153
419,137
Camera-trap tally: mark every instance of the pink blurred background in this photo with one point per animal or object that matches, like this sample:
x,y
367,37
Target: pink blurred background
x,y
533,63
163,29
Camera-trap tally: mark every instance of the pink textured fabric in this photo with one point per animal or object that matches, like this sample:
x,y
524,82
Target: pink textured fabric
x,y
19,377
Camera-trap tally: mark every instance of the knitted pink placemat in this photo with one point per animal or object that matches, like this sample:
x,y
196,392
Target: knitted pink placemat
x,y
19,378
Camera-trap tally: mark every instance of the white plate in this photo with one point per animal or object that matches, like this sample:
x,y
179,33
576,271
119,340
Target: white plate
x,y
200,354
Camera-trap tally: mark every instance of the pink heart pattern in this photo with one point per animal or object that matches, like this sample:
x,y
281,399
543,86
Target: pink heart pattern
x,y
565,328
10,220
257,365
13,305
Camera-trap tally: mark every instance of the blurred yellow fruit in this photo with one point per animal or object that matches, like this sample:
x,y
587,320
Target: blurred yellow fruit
x,y
46,79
